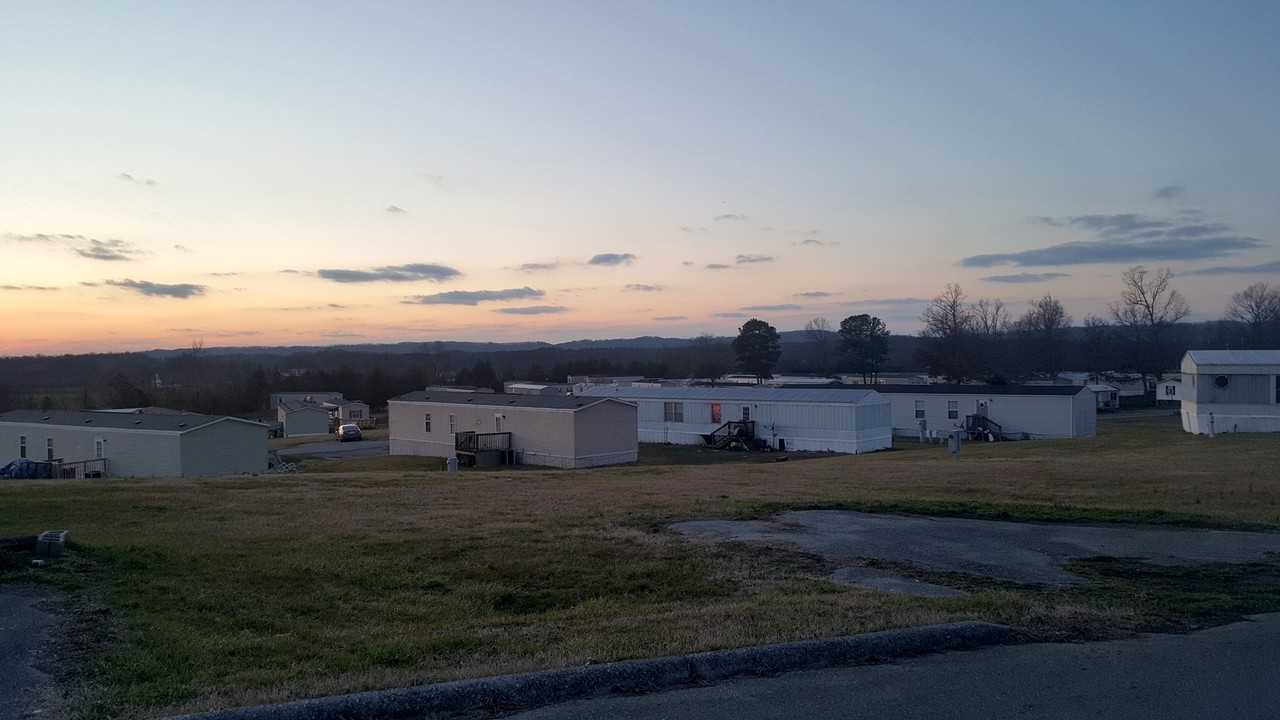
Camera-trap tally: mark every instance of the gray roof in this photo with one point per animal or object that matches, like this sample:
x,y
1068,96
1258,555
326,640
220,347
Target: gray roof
x,y
1061,390
1235,357
179,423
551,402
841,395
296,405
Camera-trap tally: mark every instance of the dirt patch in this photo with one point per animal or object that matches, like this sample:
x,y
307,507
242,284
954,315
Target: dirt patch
x,y
1019,552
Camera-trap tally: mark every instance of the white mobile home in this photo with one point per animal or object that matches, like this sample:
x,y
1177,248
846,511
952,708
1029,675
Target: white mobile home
x,y
488,428
1033,411
1108,396
819,419
1231,391
134,444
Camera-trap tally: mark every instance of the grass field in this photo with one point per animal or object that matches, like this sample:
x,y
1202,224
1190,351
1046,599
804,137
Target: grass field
x,y
195,594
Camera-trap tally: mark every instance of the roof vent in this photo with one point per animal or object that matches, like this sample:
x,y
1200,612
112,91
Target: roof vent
x,y
88,420
182,424
137,422
46,417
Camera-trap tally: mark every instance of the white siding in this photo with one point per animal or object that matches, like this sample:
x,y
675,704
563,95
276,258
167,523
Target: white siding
x,y
226,447
1037,416
818,427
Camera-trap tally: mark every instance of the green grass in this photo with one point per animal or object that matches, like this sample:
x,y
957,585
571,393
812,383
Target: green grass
x,y
185,595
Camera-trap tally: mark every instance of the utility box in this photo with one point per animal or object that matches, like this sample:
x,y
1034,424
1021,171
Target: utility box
x,y
50,543
953,444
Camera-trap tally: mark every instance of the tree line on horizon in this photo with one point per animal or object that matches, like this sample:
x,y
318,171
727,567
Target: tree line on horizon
x,y
1144,332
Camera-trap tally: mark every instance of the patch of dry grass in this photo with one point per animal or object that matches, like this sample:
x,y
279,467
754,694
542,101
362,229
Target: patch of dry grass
x,y
233,591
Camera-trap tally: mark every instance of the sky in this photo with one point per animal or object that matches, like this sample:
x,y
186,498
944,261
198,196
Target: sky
x,y
323,173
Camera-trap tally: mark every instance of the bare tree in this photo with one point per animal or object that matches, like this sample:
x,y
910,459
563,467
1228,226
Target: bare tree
x,y
822,340
950,344
709,357
1258,307
1147,311
1043,328
990,317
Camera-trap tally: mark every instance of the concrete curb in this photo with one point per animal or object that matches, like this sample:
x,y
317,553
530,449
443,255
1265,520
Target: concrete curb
x,y
491,696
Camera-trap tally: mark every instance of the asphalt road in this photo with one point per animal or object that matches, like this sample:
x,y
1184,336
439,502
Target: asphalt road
x,y
1224,672
333,449
23,629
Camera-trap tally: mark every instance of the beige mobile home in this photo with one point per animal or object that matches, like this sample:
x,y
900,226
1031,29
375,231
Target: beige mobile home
x,y
495,428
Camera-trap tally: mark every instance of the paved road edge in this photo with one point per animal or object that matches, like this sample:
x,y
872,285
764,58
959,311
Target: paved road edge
x,y
496,695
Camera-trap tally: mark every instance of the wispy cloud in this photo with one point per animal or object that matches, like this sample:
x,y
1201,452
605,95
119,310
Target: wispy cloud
x,y
131,179
1170,192
733,217
86,247
532,310
889,302
183,249
771,308
731,315
180,290
1126,238
612,259
392,273
395,210
1025,277
538,267
694,229
813,294
748,259
1262,269
41,288
109,250
225,274
813,242
474,297
670,318
716,266
644,288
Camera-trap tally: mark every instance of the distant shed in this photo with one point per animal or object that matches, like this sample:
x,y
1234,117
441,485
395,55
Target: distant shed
x,y
302,417
818,419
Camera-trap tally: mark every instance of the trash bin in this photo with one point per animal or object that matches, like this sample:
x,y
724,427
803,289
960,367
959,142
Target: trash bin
x,y
452,464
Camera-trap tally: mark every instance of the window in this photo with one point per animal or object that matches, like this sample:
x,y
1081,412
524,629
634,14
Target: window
x,y
919,409
746,413
1277,389
953,410
22,444
357,413
1221,382
672,412
715,413
453,424
426,424
48,448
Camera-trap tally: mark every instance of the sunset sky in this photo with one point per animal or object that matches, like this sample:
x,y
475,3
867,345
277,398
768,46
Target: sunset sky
x,y
281,173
